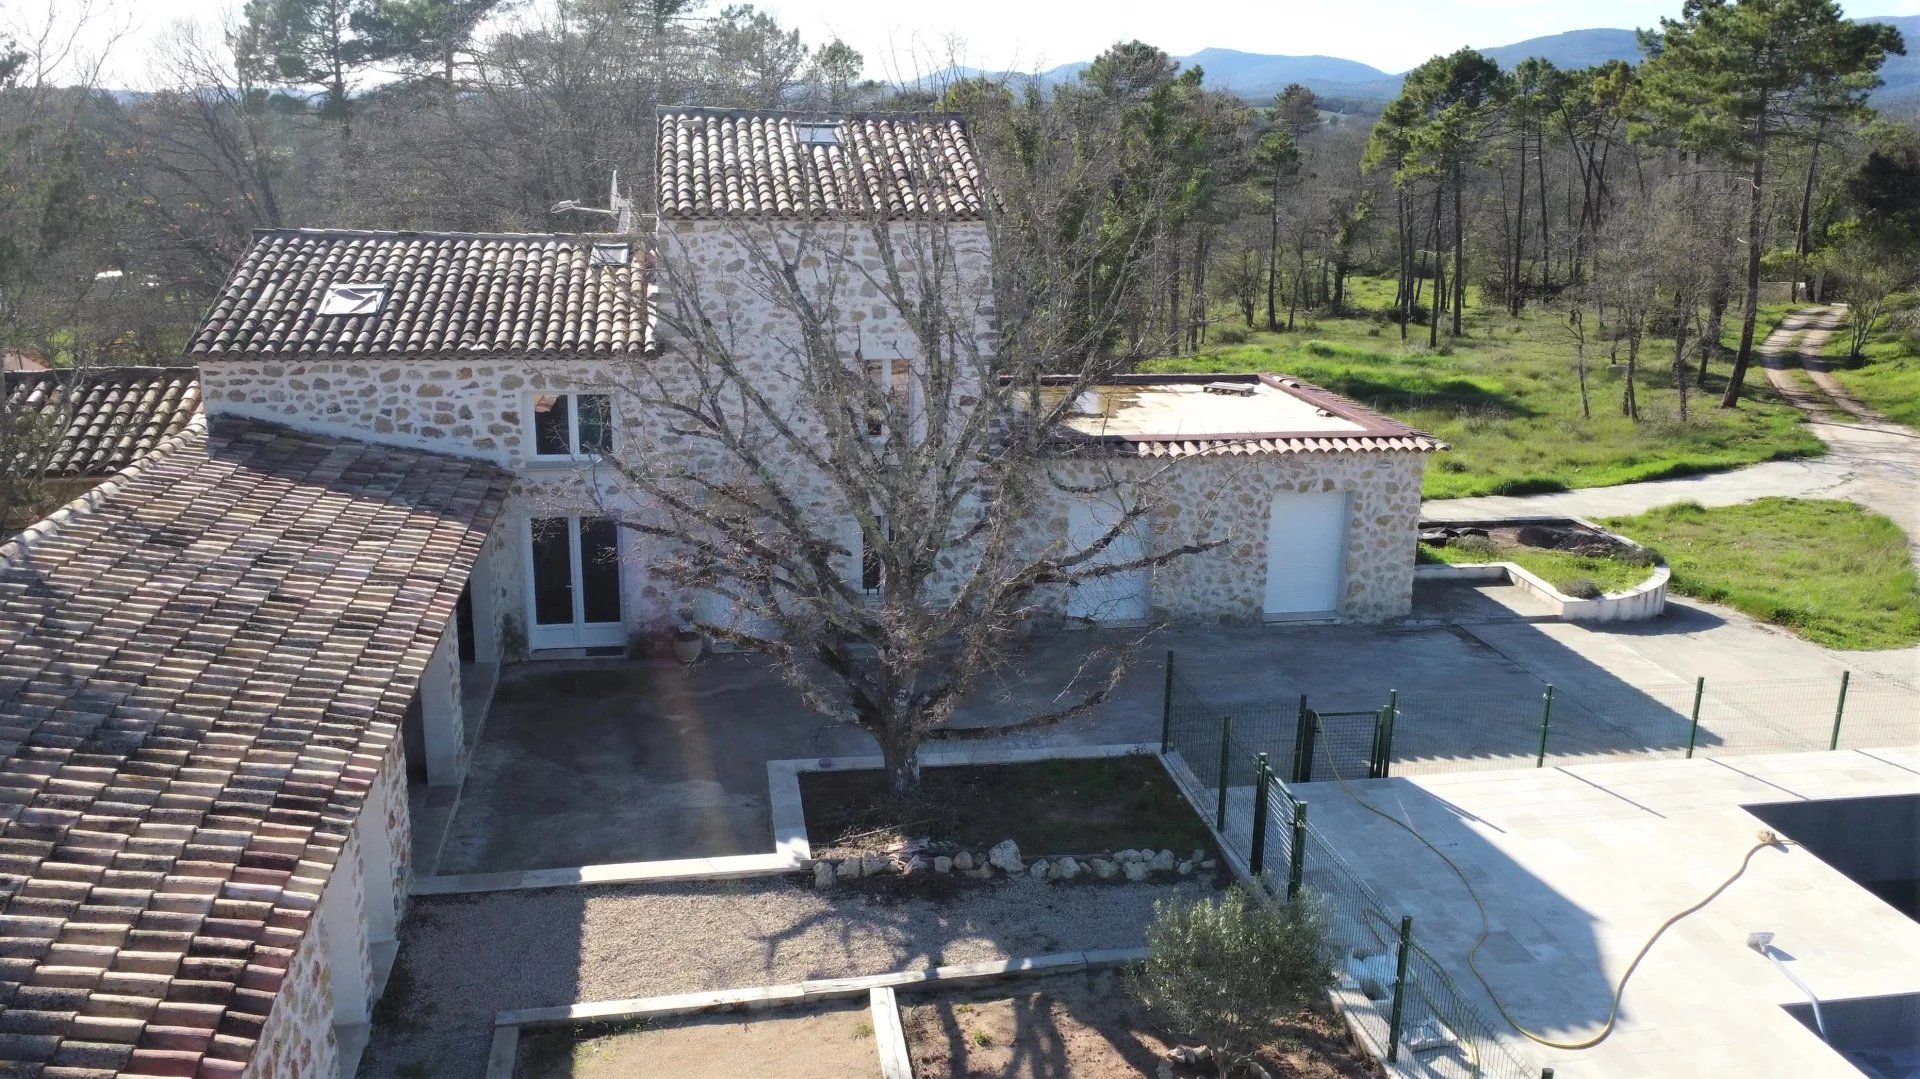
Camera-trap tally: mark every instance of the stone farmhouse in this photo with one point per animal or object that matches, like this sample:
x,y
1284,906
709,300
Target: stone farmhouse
x,y
223,668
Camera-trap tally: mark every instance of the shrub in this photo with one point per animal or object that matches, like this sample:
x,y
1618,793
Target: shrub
x,y
1645,557
1231,972
1581,588
1231,335
1475,545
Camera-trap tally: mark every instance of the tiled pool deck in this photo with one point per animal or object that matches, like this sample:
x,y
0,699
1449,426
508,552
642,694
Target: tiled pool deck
x,y
1578,867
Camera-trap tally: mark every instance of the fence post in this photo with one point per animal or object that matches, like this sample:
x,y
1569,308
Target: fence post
x,y
1546,722
1297,865
1383,737
1693,725
1399,989
1262,781
1299,740
1166,708
1226,760
1840,709
1309,730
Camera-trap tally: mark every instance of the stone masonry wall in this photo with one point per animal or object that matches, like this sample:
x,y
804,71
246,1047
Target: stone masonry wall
x,y
1230,497
297,1041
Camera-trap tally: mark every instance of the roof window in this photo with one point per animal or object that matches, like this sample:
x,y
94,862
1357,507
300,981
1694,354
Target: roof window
x,y
817,134
610,255
354,299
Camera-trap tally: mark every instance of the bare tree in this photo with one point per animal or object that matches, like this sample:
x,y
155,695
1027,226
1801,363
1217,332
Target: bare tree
x,y
880,520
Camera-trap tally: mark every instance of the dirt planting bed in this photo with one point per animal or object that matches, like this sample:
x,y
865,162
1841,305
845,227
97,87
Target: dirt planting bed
x,y
829,1041
1073,807
1089,1027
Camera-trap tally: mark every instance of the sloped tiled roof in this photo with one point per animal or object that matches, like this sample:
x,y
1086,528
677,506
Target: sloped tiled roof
x,y
450,295
1356,430
110,416
721,163
203,663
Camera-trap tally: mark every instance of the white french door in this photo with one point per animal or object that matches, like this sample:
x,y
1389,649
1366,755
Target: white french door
x,y
573,583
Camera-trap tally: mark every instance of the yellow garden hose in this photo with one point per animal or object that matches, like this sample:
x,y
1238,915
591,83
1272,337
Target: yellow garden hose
x,y
1767,839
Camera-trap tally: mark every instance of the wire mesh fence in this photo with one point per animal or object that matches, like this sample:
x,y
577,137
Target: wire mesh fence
x,y
1414,1008
1425,729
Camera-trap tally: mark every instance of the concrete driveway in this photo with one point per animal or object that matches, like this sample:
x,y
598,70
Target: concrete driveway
x,y
609,761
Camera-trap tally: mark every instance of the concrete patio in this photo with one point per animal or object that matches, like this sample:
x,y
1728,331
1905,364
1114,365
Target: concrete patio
x,y
595,761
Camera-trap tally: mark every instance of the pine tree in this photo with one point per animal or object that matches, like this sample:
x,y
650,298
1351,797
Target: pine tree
x,y
1739,78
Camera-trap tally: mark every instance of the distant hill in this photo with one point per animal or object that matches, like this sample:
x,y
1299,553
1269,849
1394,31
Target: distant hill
x,y
1258,76
1575,48
1901,74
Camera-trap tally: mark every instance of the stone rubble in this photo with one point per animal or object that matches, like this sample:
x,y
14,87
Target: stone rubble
x,y
1131,865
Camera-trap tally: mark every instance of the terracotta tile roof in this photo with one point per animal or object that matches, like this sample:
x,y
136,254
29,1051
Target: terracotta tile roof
x,y
203,663
446,295
112,416
1364,431
719,163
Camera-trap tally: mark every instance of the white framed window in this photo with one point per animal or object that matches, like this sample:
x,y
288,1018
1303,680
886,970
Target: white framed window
x,y
871,572
348,298
817,134
610,254
570,426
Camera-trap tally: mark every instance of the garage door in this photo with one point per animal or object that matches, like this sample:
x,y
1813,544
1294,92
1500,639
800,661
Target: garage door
x,y
1121,597
1306,555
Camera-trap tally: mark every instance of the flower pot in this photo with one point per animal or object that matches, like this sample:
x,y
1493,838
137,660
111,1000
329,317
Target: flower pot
x,y
687,646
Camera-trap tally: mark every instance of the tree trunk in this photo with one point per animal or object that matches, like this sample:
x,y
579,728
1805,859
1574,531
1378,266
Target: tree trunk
x,y
1273,255
1519,231
1680,372
902,765
1439,305
1802,241
1756,219
1459,253
1546,258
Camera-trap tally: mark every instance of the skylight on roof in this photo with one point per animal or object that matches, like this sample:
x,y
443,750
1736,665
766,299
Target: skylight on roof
x,y
817,134
353,299
610,255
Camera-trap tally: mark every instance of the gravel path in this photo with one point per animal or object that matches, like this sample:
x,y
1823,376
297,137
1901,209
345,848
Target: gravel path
x,y
464,958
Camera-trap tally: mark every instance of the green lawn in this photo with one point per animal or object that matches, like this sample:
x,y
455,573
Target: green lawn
x,y
1888,377
1558,568
1505,397
1834,573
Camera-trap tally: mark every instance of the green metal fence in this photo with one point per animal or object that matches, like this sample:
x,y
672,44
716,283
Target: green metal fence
x,y
1411,1006
1244,765
1418,730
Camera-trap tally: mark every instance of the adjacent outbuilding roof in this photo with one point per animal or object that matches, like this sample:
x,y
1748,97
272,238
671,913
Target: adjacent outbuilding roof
x,y
203,664
1230,414
726,163
340,293
109,417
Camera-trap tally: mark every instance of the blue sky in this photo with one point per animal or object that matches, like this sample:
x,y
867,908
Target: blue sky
x,y
901,37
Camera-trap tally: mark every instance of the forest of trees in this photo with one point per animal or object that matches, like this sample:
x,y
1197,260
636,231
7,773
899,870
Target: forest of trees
x,y
1637,201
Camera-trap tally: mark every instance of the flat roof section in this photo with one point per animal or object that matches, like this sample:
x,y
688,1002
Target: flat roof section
x,y
1578,866
1202,410
1226,413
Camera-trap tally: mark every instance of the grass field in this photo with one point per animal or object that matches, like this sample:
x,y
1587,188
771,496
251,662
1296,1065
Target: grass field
x,y
1888,378
1558,568
1505,396
1834,573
